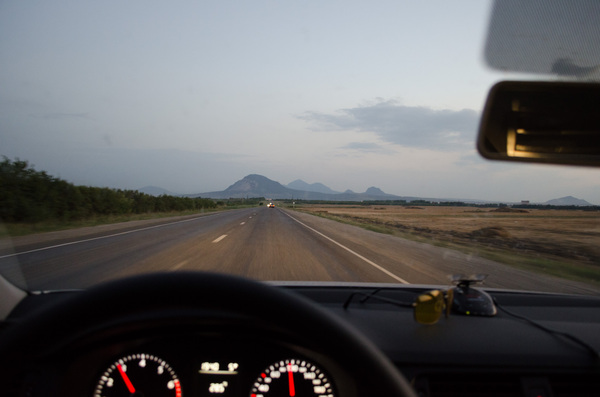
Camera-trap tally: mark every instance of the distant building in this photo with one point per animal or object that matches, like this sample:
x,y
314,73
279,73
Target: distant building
x,y
525,202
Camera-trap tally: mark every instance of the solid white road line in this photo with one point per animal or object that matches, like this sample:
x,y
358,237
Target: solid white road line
x,y
375,265
219,238
102,237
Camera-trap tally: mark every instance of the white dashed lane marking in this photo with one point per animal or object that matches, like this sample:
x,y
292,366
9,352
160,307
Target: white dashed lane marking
x,y
179,265
219,238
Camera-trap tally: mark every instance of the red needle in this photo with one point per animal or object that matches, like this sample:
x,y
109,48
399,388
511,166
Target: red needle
x,y
126,379
291,379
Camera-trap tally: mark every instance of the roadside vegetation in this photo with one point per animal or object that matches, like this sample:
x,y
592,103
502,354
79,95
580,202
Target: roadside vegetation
x,y
561,241
33,201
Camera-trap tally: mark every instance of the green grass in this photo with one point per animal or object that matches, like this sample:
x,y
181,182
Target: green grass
x,y
570,270
563,269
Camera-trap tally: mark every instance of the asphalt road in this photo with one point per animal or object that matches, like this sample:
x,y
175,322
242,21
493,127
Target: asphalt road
x,y
260,243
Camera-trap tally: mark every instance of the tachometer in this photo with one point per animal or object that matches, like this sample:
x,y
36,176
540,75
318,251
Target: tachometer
x,y
288,378
138,374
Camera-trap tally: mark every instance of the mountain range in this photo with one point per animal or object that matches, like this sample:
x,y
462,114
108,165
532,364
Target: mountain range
x,y
299,184
260,186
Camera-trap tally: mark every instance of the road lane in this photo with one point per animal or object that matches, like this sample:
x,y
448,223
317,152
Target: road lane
x,y
421,263
274,247
88,261
364,259
265,244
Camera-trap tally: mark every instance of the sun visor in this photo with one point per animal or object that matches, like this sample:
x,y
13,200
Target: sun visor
x,y
555,37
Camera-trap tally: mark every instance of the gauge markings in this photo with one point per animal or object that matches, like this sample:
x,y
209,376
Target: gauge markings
x,y
303,379
150,375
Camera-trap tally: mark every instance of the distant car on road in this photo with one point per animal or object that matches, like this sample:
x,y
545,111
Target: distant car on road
x,y
271,205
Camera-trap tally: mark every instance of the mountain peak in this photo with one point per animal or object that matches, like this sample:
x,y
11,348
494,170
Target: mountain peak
x,y
298,181
568,200
156,191
255,184
299,184
375,191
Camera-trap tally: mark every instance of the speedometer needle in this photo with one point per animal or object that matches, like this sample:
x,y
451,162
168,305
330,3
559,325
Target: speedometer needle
x,y
126,379
291,380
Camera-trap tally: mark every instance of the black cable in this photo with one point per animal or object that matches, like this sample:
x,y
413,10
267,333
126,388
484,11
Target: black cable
x,y
372,295
568,336
572,338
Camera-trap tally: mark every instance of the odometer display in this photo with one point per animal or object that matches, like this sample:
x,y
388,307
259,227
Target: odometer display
x,y
290,378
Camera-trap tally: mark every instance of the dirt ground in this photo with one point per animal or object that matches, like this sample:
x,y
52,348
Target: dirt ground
x,y
568,234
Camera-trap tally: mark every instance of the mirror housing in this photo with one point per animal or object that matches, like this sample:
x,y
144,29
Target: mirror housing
x,y
542,122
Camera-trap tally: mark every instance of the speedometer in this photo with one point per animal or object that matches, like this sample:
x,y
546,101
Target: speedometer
x,y
288,378
140,375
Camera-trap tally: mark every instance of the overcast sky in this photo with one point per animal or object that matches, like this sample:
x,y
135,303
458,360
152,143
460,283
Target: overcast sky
x,y
192,96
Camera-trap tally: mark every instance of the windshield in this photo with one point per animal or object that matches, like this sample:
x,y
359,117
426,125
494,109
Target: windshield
x,y
286,141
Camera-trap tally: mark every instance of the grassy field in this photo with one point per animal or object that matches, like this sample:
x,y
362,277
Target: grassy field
x,y
565,243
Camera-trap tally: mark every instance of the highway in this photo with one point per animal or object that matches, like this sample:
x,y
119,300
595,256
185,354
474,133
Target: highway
x,y
260,243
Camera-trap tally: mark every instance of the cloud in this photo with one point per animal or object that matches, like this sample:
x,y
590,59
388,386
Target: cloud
x,y
366,147
412,126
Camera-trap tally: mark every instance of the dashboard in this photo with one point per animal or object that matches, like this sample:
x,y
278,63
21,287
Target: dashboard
x,y
251,339
199,360
188,334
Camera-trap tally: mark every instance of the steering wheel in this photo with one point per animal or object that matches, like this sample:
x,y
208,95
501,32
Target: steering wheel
x,y
194,293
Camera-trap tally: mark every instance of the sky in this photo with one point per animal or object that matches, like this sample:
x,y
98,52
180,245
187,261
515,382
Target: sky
x,y
194,95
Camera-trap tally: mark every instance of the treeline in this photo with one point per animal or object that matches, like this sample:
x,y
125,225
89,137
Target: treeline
x,y
239,202
367,203
425,203
557,207
27,195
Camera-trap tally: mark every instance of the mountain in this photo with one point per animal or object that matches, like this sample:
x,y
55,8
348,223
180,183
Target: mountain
x,y
568,200
375,191
156,191
299,184
254,185
259,186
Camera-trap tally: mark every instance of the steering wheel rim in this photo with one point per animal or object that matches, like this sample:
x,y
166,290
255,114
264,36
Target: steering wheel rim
x,y
194,290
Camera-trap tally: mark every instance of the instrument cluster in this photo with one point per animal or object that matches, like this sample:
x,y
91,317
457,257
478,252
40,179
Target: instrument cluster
x,y
206,366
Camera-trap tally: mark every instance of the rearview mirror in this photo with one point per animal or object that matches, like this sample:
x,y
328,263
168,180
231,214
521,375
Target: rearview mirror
x,y
542,122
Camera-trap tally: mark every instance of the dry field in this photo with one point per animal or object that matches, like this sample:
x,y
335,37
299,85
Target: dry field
x,y
566,239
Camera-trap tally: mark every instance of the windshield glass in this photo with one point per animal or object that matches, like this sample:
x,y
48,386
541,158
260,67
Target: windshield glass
x,y
288,141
